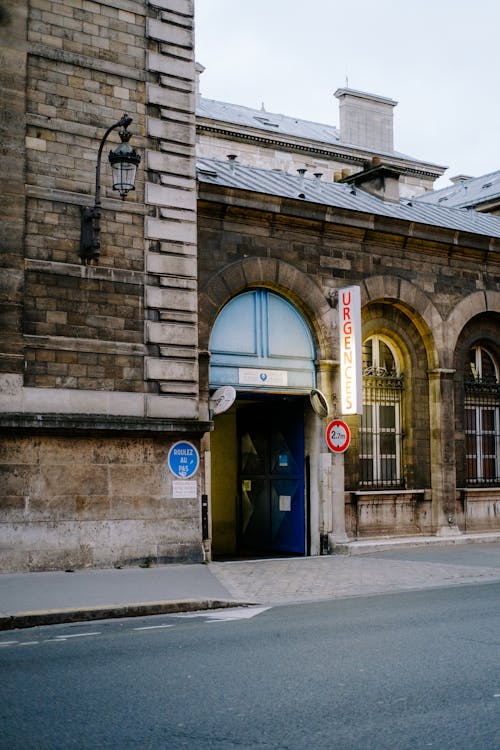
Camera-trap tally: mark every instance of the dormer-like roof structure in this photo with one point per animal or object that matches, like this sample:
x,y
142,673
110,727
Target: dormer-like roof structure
x,y
481,193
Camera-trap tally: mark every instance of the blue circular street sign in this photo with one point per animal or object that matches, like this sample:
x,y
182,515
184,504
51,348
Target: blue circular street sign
x,y
183,460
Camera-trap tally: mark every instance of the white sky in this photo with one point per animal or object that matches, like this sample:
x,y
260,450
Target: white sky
x,y
440,59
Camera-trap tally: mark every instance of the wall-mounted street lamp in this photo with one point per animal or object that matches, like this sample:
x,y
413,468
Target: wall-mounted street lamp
x,y
124,161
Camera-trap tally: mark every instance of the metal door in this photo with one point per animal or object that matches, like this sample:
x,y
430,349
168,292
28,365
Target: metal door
x,y
271,515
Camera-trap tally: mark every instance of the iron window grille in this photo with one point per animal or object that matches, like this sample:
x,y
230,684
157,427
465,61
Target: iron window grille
x,y
380,429
482,431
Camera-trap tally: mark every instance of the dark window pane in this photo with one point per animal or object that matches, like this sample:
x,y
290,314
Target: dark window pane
x,y
470,445
367,417
388,469
470,419
471,468
488,419
388,444
366,470
487,366
368,353
488,445
489,468
387,417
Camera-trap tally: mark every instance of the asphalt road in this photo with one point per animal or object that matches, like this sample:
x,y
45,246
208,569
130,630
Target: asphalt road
x,y
405,671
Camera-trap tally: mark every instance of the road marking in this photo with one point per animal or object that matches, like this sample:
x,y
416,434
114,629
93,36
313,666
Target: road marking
x,y
73,635
8,643
29,643
225,615
153,627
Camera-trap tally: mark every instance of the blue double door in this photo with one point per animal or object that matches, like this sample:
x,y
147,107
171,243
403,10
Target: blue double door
x,y
271,507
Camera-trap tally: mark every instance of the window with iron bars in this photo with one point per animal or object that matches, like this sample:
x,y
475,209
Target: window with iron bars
x,y
380,425
482,420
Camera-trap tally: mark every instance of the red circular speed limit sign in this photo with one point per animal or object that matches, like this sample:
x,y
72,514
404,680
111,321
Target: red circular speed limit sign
x,y
338,436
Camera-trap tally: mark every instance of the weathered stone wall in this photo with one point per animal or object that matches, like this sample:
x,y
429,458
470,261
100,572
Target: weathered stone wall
x,y
105,311
86,347
13,60
269,156
336,249
71,502
388,513
128,325
419,287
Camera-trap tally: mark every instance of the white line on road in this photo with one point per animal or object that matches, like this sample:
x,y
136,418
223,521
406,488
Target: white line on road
x,y
153,627
73,635
225,615
8,643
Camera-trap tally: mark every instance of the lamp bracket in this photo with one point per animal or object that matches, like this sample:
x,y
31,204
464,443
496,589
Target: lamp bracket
x,y
90,243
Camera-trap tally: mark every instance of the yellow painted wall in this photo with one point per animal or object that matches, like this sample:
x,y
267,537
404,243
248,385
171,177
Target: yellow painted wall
x,y
224,450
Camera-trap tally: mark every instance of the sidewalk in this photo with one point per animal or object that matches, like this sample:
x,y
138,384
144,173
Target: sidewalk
x,y
29,599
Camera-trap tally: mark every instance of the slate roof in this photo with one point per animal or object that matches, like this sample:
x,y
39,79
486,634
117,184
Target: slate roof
x,y
273,123
472,191
339,195
304,130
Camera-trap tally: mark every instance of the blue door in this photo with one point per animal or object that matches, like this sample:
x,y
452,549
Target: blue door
x,y
271,513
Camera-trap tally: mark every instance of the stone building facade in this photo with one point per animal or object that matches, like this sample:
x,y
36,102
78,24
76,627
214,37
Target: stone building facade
x,y
224,276
99,367
424,455
365,136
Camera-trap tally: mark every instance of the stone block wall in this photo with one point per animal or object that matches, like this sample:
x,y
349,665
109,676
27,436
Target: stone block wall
x,y
72,502
388,513
98,363
128,325
419,284
479,509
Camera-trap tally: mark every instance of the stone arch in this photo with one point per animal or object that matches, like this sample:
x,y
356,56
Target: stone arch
x,y
475,304
476,320
416,306
276,275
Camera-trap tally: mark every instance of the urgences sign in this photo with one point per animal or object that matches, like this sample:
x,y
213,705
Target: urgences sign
x,y
351,378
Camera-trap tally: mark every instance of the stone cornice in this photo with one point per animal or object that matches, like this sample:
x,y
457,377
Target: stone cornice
x,y
72,344
83,61
79,199
102,273
98,424
346,154
312,212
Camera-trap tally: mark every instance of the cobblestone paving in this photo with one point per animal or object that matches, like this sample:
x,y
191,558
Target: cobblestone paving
x,y
334,577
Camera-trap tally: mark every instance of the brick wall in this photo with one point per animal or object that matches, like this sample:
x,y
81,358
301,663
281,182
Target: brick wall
x,y
129,324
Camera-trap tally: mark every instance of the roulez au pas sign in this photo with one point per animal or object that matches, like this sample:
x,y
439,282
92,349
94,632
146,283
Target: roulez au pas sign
x,y
338,436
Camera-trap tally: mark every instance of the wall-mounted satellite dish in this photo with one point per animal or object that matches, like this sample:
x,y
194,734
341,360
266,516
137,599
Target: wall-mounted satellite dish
x,y
319,403
222,399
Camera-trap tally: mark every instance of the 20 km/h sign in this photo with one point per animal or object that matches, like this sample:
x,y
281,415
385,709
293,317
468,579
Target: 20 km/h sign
x,y
338,436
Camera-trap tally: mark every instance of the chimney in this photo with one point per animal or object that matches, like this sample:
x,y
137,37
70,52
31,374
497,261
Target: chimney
x,y
377,179
198,69
366,120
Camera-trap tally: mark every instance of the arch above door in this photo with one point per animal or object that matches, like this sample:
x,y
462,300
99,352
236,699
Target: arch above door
x,y
261,342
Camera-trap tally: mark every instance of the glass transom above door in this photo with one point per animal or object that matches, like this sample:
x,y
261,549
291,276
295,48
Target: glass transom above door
x,y
261,342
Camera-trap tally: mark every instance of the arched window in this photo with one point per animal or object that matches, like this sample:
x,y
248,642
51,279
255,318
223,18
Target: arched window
x,y
482,418
260,341
380,426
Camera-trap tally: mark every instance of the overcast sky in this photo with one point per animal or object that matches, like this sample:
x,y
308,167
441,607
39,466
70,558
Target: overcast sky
x,y
439,59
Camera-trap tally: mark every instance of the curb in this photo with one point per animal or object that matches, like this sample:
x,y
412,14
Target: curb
x,y
390,544
112,611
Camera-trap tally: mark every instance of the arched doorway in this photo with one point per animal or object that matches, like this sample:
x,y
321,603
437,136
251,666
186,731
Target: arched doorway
x,y
261,345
